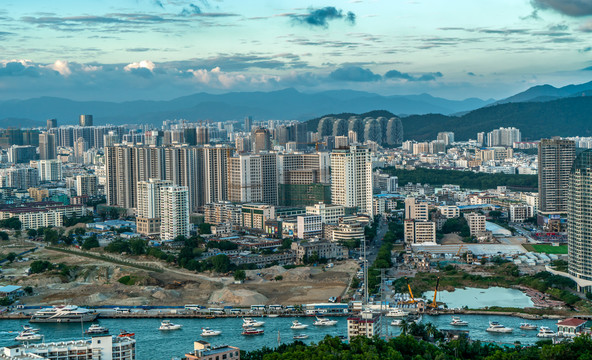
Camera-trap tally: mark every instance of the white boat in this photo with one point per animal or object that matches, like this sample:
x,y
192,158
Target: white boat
x,y
545,332
396,322
418,320
496,327
297,325
528,326
28,335
67,313
324,322
166,325
29,328
300,336
396,312
273,315
456,321
96,329
249,323
209,332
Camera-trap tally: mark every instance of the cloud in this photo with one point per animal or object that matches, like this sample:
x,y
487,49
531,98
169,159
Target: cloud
x,y
470,73
320,17
191,10
143,68
395,74
567,7
61,67
586,27
18,68
354,73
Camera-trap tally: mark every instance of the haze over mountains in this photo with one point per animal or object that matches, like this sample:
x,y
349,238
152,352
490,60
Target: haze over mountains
x,y
539,111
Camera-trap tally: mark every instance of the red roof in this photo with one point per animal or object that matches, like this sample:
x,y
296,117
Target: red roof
x,y
571,322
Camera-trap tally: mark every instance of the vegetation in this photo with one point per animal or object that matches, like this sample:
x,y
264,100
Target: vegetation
x,y
11,223
205,228
71,221
128,280
90,242
466,179
3,235
240,275
384,256
222,245
550,249
5,301
11,257
560,265
457,225
40,266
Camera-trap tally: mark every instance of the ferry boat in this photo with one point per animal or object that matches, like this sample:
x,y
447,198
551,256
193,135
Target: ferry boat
x,y
496,327
300,337
95,329
324,322
545,332
396,322
297,325
209,332
396,312
456,321
252,331
168,325
249,322
65,313
528,326
28,335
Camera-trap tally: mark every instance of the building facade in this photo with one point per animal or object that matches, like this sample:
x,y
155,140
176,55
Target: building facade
x,y
351,178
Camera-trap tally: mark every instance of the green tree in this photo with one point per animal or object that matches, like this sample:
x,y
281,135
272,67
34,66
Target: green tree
x,y
51,236
240,275
90,242
138,246
32,232
11,257
3,235
221,263
205,228
39,266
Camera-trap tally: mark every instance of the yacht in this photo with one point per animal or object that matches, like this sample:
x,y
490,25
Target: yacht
x,y
545,332
456,321
396,312
396,322
29,328
209,332
496,327
252,331
300,337
65,313
28,335
527,326
297,325
249,322
95,329
324,322
168,325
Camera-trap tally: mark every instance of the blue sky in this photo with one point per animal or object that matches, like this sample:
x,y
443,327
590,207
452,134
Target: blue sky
x,y
160,49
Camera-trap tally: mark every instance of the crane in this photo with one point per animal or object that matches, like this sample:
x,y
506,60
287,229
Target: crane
x,y
412,301
459,249
434,304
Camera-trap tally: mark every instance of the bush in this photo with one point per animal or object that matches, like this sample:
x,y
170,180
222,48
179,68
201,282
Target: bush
x,y
40,266
90,242
279,278
3,236
128,280
240,275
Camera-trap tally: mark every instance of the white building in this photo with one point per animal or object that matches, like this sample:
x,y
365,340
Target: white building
x,y
449,211
519,213
329,213
476,223
149,209
309,226
50,170
86,185
366,324
174,201
417,232
351,178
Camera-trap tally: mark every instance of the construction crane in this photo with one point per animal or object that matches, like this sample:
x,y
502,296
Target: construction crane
x,y
412,301
459,249
434,304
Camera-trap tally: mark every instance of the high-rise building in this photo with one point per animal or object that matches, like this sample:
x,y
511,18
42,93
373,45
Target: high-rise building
x,y
80,147
190,136
351,178
503,137
174,203
183,167
20,178
416,210
253,178
50,170
149,209
248,123
261,140
203,135
579,213
22,153
120,180
447,137
52,123
87,185
214,173
86,120
47,146
555,159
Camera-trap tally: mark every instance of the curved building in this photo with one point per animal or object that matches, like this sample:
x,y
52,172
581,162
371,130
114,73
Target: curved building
x,y
579,215
339,127
372,130
356,125
325,127
394,131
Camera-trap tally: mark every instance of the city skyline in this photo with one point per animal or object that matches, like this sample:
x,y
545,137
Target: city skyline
x,y
159,49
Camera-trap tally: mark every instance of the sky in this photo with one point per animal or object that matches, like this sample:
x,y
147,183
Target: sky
x,y
120,50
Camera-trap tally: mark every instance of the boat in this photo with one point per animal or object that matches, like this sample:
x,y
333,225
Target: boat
x,y
396,322
273,315
300,337
324,322
527,326
64,313
166,325
29,328
396,312
209,332
545,332
28,335
297,325
124,333
496,327
418,320
456,321
252,331
249,322
96,329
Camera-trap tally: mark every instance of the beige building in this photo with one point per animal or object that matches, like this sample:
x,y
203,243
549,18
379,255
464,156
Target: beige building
x,y
330,214
476,223
254,216
366,324
351,179
417,232
449,211
323,249
148,212
416,210
87,185
174,204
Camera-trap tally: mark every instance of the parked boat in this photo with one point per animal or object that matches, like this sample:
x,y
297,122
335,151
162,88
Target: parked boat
x,y
300,337
66,313
124,333
396,322
28,335
324,322
273,315
396,312
252,331
496,327
29,328
95,329
249,323
297,325
528,326
545,332
209,332
166,325
456,321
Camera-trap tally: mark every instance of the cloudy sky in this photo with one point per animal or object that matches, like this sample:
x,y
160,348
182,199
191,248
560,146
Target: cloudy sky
x,y
160,49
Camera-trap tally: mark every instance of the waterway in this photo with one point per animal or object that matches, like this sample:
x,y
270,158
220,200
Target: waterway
x,y
155,344
475,298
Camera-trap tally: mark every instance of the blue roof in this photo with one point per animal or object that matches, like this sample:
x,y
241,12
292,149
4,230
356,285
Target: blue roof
x,y
479,206
9,288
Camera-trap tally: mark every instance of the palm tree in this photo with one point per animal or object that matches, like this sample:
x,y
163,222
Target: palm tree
x,y
404,327
431,329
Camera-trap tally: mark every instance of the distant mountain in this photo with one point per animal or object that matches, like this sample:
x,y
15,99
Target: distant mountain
x,y
541,93
282,104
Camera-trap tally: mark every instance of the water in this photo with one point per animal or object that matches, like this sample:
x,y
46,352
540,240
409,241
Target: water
x,y
480,298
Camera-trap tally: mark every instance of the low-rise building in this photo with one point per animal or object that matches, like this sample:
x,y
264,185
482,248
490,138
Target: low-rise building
x,y
367,324
519,213
322,249
309,226
347,230
449,211
476,223
254,216
417,232
202,350
329,213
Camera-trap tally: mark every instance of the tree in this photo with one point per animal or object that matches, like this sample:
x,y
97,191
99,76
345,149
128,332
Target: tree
x,y
3,235
286,244
11,223
138,246
240,275
17,234
205,228
90,242
221,263
32,232
404,327
11,257
39,266
51,236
